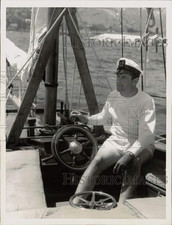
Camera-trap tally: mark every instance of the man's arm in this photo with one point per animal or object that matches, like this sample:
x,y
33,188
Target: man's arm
x,y
102,118
147,122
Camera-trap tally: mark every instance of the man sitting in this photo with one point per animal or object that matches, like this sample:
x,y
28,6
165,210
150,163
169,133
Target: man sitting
x,y
130,113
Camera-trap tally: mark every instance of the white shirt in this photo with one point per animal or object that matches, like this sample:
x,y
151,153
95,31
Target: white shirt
x,y
131,119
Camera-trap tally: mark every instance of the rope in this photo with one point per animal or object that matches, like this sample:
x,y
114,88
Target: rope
x,y
41,42
163,52
122,41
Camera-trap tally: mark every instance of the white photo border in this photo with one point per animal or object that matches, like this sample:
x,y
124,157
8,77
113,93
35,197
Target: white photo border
x,y
79,3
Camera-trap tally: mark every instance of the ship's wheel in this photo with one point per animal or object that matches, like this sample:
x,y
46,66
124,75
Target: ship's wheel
x,y
93,200
74,147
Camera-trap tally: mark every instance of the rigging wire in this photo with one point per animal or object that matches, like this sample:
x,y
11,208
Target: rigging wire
x,y
141,50
21,88
33,109
64,41
94,51
146,45
80,86
79,96
8,68
145,64
144,35
76,29
122,41
162,35
51,19
79,35
73,81
9,93
39,45
152,18
144,38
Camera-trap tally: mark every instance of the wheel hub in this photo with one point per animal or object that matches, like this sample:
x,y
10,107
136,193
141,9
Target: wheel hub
x,y
75,147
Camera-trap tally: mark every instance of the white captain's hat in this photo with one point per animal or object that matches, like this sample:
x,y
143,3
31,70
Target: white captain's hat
x,y
128,65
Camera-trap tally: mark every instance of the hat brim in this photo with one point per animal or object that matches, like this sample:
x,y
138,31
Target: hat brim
x,y
132,74
118,71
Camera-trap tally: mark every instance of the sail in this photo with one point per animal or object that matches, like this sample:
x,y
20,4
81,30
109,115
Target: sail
x,y
39,20
38,28
16,57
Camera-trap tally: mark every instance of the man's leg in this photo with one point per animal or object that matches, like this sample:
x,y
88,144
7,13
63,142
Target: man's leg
x,y
105,157
133,174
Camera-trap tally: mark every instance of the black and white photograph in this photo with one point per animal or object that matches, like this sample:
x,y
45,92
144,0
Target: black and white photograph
x,y
85,112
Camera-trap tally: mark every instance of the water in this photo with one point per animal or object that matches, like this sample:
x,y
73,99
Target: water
x,y
103,77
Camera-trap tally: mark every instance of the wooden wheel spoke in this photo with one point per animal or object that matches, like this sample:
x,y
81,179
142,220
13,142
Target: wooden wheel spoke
x,y
104,200
100,204
84,204
64,139
65,151
93,197
86,156
84,200
73,160
86,143
76,136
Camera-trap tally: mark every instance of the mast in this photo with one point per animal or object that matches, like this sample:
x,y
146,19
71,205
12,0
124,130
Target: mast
x,y
51,76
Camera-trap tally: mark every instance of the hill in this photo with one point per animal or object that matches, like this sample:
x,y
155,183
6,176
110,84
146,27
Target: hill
x,y
102,20
110,18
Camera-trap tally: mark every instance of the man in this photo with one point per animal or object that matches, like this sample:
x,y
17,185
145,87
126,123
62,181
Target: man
x,y
131,116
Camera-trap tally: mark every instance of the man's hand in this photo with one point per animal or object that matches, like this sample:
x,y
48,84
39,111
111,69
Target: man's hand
x,y
122,163
76,115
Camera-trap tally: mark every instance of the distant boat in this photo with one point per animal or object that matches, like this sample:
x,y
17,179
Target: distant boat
x,y
129,40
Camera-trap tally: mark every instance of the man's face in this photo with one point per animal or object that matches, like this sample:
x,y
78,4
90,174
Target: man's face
x,y
124,82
